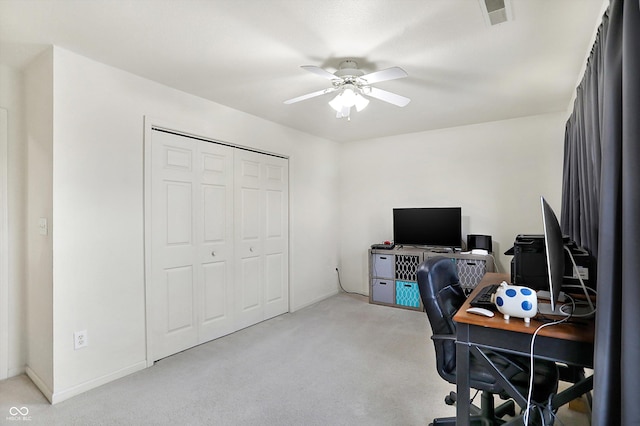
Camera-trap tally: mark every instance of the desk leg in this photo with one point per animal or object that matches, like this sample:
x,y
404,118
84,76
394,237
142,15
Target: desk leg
x,y
462,379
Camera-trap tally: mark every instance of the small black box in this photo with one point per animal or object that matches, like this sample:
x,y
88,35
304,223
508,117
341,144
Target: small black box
x,y
476,241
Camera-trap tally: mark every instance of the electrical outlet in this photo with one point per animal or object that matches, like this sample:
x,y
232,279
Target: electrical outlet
x,y
80,339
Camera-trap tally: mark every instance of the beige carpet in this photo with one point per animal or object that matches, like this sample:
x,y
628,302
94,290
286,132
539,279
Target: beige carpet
x,y
342,361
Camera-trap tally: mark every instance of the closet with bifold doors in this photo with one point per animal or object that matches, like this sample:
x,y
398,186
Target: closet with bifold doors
x,y
216,239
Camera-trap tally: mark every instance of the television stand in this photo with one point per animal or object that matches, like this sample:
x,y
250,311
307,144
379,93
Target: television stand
x,y
441,250
393,277
437,249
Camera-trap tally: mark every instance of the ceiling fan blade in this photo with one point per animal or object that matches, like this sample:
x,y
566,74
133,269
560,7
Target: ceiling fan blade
x,y
392,98
320,71
310,95
384,75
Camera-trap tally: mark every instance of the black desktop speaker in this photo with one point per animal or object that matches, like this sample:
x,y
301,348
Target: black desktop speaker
x,y
475,241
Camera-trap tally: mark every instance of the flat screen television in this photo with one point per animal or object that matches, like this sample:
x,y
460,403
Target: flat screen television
x,y
428,226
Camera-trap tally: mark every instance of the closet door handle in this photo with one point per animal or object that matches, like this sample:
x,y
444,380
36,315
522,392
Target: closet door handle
x,y
213,254
251,249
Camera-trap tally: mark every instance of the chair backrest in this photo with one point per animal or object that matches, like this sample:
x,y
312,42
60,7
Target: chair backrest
x,y
441,296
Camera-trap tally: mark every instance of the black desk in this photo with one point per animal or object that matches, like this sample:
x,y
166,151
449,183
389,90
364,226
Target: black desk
x,y
570,343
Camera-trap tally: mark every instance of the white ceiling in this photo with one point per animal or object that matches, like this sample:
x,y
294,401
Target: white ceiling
x,y
247,54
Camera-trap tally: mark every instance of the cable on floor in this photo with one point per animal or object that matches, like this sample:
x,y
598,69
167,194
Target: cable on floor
x,y
342,288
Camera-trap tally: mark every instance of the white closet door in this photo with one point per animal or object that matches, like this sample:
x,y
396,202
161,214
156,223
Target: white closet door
x,y
276,236
218,241
261,243
190,298
215,240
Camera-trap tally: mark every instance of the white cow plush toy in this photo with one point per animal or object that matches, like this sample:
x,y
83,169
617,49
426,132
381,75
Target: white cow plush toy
x,y
516,301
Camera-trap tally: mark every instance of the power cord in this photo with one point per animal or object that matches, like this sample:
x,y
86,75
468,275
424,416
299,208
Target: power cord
x,y
474,396
495,264
342,288
570,314
531,362
573,313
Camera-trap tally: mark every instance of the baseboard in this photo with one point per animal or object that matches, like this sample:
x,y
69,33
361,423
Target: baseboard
x,y
40,384
55,397
316,300
99,381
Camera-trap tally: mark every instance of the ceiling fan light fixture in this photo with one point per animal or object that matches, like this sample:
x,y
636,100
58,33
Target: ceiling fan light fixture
x,y
344,112
361,102
348,95
336,103
347,98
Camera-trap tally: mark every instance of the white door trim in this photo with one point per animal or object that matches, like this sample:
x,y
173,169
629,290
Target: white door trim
x,y
4,246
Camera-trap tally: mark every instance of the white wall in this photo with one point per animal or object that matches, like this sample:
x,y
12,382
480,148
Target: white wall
x,y
13,343
495,171
39,136
97,216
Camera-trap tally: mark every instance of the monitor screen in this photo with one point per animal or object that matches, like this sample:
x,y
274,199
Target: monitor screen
x,y
554,251
428,226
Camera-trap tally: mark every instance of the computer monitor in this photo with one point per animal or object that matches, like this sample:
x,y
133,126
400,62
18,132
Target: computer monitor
x,y
554,252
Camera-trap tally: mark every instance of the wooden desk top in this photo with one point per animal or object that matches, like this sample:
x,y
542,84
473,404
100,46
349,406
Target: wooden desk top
x,y
578,329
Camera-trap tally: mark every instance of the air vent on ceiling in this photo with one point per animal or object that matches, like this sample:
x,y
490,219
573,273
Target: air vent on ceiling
x,y
496,11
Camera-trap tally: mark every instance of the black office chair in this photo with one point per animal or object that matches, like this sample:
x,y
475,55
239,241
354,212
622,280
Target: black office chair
x,y
442,296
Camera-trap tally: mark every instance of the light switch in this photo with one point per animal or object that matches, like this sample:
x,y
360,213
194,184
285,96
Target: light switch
x,y
42,226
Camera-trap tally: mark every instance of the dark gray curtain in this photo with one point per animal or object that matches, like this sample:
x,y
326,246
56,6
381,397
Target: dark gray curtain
x,y
601,195
581,173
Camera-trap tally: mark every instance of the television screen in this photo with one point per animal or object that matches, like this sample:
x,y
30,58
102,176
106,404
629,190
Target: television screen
x,y
428,226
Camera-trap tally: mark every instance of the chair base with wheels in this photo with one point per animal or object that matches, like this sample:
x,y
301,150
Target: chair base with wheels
x,y
486,414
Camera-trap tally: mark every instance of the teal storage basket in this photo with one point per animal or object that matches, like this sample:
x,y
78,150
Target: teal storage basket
x,y
407,294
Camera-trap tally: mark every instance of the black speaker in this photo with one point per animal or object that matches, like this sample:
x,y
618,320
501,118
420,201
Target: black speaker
x,y
483,242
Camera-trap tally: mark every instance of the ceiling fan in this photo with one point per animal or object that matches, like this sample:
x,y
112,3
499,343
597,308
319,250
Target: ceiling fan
x,y
353,87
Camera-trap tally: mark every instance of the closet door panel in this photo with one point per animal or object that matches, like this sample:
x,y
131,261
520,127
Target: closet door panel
x,y
179,294
215,240
250,300
276,235
275,274
249,211
215,293
173,282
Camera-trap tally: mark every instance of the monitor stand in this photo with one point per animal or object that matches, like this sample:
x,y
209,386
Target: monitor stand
x,y
580,310
545,295
545,309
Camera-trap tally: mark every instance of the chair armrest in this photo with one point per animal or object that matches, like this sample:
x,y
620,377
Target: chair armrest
x,y
443,337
